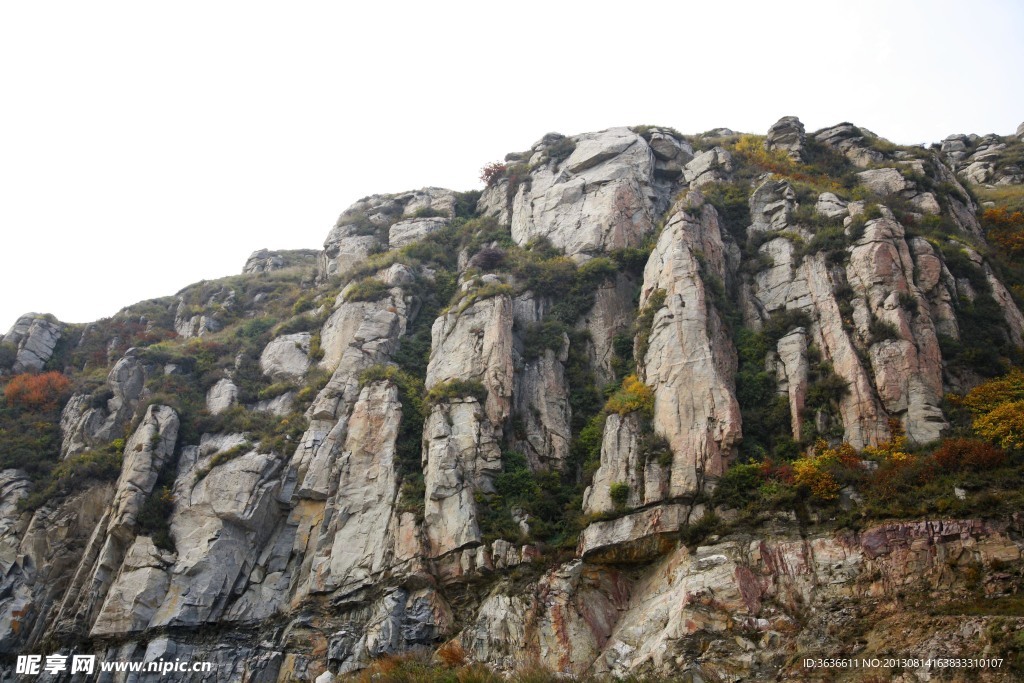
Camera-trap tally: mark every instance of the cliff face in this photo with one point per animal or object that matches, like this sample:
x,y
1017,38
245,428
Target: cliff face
x,y
400,443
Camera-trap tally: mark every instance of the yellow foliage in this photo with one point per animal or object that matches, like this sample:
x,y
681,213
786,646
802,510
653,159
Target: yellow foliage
x,y
1003,425
751,148
634,395
809,471
893,449
998,408
843,453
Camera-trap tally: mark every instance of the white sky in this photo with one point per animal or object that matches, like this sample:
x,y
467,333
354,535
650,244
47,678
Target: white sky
x,y
145,146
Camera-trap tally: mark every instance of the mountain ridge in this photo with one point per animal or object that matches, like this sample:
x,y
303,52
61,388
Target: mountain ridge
x,y
648,404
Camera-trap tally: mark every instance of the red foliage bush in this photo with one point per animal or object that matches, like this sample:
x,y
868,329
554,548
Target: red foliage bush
x,y
37,391
493,172
782,472
899,476
960,454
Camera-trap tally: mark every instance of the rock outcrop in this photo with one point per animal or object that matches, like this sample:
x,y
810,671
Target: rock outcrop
x,y
689,359
267,261
787,134
32,339
295,472
596,199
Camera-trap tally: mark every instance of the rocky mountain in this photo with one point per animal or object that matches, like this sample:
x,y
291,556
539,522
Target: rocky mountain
x,y
649,404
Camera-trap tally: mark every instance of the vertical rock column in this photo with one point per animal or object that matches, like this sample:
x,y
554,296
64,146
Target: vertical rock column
x,y
690,360
461,435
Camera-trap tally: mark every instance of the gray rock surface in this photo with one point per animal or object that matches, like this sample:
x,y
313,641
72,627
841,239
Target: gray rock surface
x,y
849,141
711,166
286,357
412,230
787,134
34,338
597,199
306,558
221,396
689,362
476,344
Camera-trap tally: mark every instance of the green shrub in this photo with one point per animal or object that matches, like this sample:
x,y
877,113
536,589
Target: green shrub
x,y
72,474
465,203
367,289
654,447
274,390
561,149
303,303
457,388
738,486
8,354
828,389
155,516
538,337
223,457
429,212
695,533
882,330
619,493
408,445
645,323
466,298
732,202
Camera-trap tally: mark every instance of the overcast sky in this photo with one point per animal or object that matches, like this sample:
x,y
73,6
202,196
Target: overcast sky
x,y
145,146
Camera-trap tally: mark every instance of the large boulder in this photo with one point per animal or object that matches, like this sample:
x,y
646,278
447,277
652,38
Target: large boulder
x,y
594,200
33,338
287,357
787,134
849,141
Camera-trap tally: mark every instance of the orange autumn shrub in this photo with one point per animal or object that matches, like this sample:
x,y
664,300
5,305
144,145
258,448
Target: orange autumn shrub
x,y
960,454
1006,228
37,392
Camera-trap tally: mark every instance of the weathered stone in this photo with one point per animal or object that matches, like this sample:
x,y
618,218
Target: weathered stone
x,y
461,456
884,181
266,261
34,337
221,396
711,166
635,537
848,140
286,357
412,230
908,370
357,544
794,371
689,361
476,344
137,592
772,205
830,205
595,200
611,315
87,423
787,134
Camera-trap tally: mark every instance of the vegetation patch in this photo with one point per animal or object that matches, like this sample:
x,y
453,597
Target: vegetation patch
x,y
367,289
443,392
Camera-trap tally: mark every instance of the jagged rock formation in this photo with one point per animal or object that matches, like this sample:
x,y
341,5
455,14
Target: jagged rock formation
x,y
266,261
400,443
32,340
788,135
